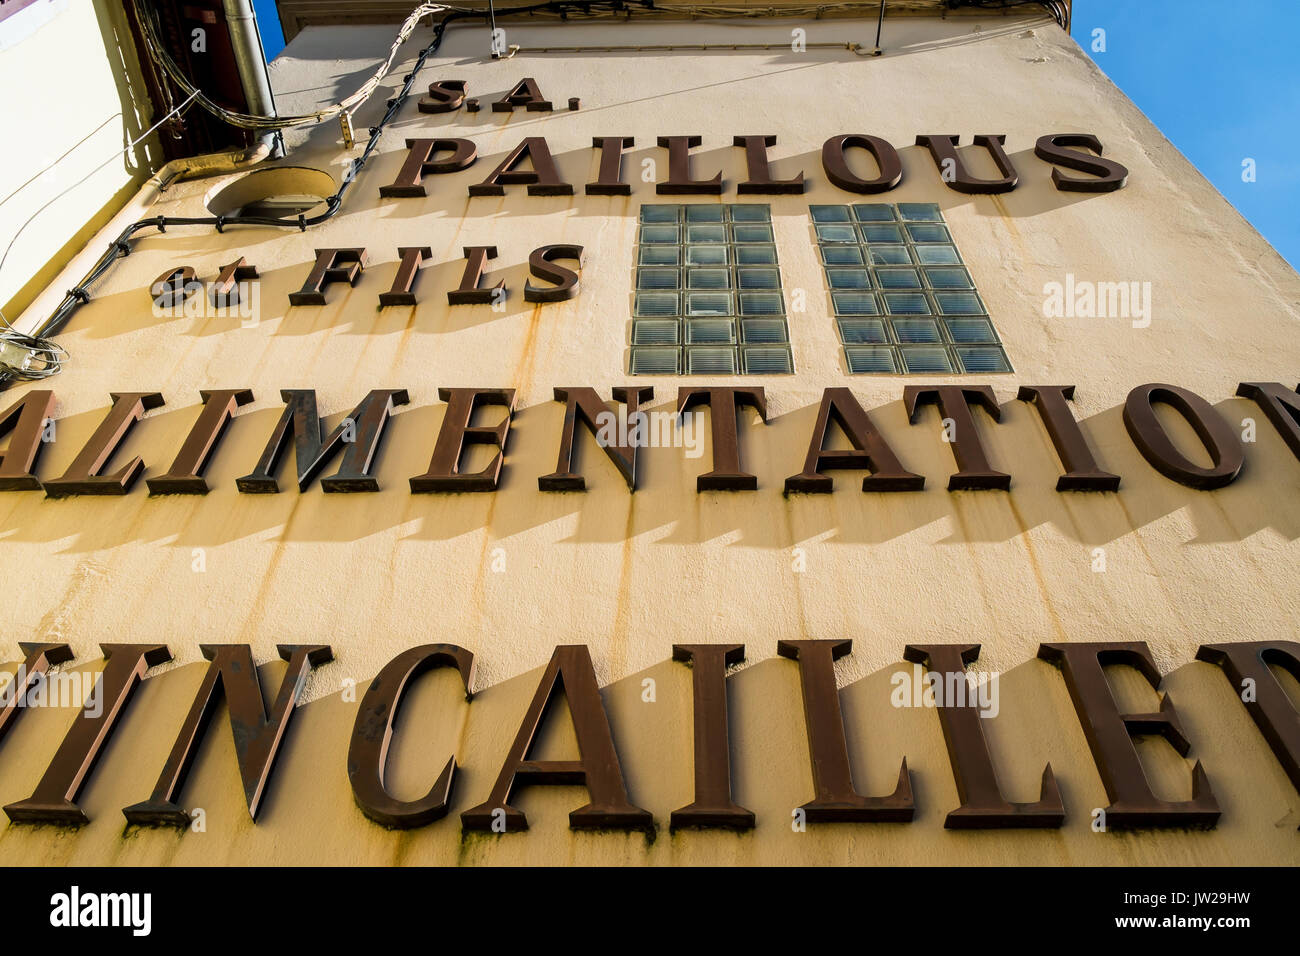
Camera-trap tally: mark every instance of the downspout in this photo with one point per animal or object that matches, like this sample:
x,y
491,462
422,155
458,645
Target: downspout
x,y
250,62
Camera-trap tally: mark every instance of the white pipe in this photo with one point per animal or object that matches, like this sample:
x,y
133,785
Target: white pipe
x,y
250,61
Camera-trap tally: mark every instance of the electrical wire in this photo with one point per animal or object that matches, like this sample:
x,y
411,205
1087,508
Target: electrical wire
x,y
129,146
251,121
34,357
66,153
349,105
47,355
121,246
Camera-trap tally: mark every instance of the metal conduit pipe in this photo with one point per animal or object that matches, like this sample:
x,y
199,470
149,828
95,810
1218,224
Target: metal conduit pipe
x,y
250,62
229,161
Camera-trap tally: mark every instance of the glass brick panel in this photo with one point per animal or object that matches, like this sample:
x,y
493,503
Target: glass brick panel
x,y
890,256
904,303
660,255
923,360
973,331
657,303
706,255
926,232
708,278
701,213
660,213
909,331
842,255
855,303
708,303
761,303
920,212
765,360
752,232
947,277
752,278
700,268
959,303
863,332
706,232
873,212
937,255
657,278
711,361
659,234
898,278
710,331
834,232
655,331
655,361
985,360
755,255
848,278
866,359
763,330
876,233
829,213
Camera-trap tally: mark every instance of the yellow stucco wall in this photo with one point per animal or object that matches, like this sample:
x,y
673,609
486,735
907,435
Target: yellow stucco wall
x,y
630,575
75,98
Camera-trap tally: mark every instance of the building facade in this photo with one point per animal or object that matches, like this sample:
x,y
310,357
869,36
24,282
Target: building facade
x,y
755,235
60,190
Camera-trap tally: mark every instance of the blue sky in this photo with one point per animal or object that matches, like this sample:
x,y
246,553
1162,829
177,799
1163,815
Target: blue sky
x,y
268,22
1222,81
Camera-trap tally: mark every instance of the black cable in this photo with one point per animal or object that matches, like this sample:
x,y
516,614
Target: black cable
x,y
121,246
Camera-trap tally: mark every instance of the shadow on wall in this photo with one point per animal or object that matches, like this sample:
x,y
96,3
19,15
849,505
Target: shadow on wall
x,y
137,110
921,181
447,207
666,506
308,814
80,224
323,139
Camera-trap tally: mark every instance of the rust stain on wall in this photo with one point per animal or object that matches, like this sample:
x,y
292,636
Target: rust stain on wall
x,y
1039,578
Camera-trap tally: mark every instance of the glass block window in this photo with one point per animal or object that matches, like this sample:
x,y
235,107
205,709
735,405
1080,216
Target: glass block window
x,y
903,299
707,296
